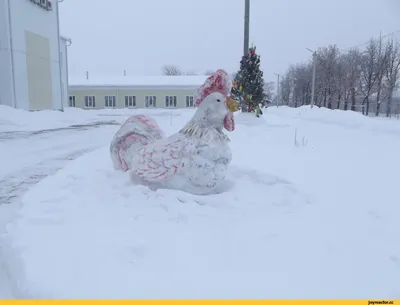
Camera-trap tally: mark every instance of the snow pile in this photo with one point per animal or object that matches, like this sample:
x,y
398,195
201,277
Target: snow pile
x,y
12,119
248,119
349,119
318,220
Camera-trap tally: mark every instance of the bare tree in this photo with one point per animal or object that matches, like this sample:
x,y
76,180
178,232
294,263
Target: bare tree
x,y
371,65
381,64
351,74
339,81
356,78
171,70
209,72
328,59
392,71
291,79
269,90
353,99
284,87
302,84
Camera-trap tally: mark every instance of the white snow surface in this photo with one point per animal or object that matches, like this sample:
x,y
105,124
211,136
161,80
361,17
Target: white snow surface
x,y
314,220
21,120
12,119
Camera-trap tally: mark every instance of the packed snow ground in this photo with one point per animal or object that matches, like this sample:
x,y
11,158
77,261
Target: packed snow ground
x,y
34,145
25,161
28,154
314,216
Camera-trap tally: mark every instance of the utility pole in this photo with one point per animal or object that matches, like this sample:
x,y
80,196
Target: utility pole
x,y
313,76
246,26
277,90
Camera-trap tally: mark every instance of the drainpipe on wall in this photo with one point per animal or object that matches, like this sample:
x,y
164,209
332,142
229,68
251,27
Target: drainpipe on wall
x,y
59,55
67,44
14,91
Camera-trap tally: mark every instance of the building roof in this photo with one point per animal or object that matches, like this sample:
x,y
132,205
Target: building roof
x,y
138,81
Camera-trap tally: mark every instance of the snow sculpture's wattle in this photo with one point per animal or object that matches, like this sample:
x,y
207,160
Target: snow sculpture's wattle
x,y
195,159
229,122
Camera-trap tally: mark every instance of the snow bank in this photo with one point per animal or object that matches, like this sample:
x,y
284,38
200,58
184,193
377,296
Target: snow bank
x,y
18,119
318,220
12,119
348,119
248,119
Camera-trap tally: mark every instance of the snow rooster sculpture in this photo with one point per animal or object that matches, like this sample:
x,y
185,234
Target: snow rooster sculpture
x,y
193,160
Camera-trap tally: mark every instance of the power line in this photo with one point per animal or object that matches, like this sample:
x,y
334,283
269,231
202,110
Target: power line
x,y
367,42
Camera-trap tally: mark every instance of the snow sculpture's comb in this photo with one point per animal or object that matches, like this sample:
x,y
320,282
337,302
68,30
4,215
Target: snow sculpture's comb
x,y
218,82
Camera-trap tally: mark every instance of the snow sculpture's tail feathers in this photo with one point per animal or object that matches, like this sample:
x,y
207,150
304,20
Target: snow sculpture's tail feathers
x,y
136,132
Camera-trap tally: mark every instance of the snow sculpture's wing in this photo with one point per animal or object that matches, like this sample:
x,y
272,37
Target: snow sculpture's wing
x,y
159,160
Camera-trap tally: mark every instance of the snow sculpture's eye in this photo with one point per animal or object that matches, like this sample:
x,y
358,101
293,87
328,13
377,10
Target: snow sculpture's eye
x,y
218,100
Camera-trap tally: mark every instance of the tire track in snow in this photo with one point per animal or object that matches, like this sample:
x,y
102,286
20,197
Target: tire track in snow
x,y
31,158
15,135
14,186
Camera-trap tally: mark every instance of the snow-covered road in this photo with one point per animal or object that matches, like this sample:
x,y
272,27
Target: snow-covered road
x,y
30,156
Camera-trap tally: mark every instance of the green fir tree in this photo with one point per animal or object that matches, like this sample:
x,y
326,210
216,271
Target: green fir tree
x,y
248,86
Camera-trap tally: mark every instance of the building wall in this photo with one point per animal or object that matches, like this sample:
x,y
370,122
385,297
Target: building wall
x,y
99,94
28,19
6,81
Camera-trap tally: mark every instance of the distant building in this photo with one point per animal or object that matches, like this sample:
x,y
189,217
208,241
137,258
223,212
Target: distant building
x,y
33,56
134,92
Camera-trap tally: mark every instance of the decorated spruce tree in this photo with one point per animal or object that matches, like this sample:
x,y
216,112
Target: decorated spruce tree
x,y
248,85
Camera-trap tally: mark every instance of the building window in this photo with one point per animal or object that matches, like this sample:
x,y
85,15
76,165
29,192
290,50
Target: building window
x,y
90,101
170,101
189,101
150,101
110,101
72,101
130,101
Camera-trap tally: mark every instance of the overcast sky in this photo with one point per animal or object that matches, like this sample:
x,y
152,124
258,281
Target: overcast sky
x,y
110,36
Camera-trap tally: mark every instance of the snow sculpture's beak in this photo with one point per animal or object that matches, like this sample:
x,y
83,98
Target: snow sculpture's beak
x,y
232,104
229,120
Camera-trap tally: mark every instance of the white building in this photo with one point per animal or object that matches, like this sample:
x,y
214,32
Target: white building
x,y
134,92
33,57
